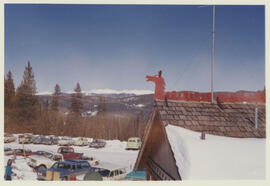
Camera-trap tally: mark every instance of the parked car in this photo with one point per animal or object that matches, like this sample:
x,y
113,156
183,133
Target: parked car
x,y
138,175
9,138
43,160
110,171
69,154
54,140
46,141
20,138
81,142
20,152
7,150
25,139
38,140
65,170
134,143
30,135
66,141
97,143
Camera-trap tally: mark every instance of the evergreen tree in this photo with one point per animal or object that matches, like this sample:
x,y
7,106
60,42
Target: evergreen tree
x,y
56,94
76,100
27,103
102,107
46,117
9,90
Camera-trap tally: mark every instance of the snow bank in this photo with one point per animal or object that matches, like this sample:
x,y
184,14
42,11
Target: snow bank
x,y
20,167
216,157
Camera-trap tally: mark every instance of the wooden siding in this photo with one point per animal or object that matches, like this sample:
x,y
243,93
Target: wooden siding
x,y
157,153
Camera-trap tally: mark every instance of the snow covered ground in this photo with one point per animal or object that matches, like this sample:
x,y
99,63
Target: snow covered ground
x,y
114,152
216,157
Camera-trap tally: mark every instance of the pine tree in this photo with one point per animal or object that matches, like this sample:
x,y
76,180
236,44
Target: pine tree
x,y
102,107
27,103
56,94
46,117
9,90
76,100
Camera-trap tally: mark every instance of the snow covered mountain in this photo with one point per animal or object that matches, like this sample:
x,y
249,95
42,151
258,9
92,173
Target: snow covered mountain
x,y
105,93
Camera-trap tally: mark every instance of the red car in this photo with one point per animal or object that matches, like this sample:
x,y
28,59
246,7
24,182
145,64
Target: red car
x,y
19,152
69,154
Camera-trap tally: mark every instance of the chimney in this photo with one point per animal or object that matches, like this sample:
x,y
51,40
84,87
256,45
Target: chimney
x,y
203,136
256,116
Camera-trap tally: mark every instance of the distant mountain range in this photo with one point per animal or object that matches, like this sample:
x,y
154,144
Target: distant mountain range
x,y
106,92
130,102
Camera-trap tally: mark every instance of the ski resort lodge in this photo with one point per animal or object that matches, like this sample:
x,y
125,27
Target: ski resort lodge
x,y
188,137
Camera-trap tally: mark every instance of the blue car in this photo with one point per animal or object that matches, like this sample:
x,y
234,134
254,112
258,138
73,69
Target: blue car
x,y
65,170
139,175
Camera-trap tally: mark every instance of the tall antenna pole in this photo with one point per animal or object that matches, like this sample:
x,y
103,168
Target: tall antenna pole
x,y
213,55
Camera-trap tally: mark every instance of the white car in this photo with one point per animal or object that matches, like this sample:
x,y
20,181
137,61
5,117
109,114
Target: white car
x,y
9,138
81,142
66,141
110,171
43,160
8,150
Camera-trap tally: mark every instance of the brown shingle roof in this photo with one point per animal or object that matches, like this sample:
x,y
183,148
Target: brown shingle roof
x,y
234,120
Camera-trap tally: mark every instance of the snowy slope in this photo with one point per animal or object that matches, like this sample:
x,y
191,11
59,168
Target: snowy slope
x,y
216,157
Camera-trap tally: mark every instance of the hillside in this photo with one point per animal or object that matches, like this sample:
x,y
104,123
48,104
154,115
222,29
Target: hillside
x,y
115,103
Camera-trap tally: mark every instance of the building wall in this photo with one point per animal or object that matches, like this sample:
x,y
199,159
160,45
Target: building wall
x,y
157,157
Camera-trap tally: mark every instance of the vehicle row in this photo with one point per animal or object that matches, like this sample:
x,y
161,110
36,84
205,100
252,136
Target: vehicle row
x,y
54,140
133,143
81,170
40,160
66,164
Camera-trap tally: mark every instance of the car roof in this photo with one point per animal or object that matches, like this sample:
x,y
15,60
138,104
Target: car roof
x,y
64,147
109,166
137,174
133,138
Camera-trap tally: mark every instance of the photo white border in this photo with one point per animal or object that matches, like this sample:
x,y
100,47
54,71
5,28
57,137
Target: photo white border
x,y
142,2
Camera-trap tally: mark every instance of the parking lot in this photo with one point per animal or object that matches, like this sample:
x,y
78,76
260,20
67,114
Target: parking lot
x,y
114,153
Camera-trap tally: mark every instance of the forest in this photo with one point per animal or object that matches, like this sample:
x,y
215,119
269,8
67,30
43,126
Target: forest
x,y
24,113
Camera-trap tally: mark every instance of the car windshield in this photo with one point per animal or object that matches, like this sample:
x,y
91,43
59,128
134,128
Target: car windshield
x,y
104,172
64,166
57,158
47,154
40,152
85,165
67,150
66,138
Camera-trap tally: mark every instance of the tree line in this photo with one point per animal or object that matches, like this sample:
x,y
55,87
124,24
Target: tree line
x,y
25,113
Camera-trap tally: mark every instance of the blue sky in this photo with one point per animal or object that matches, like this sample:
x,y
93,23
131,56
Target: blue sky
x,y
115,46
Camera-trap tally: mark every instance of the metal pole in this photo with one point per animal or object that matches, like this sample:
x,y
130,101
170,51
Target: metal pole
x,y
23,150
213,55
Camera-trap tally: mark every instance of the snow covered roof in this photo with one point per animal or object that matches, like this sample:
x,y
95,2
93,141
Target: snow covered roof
x,y
216,157
231,119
